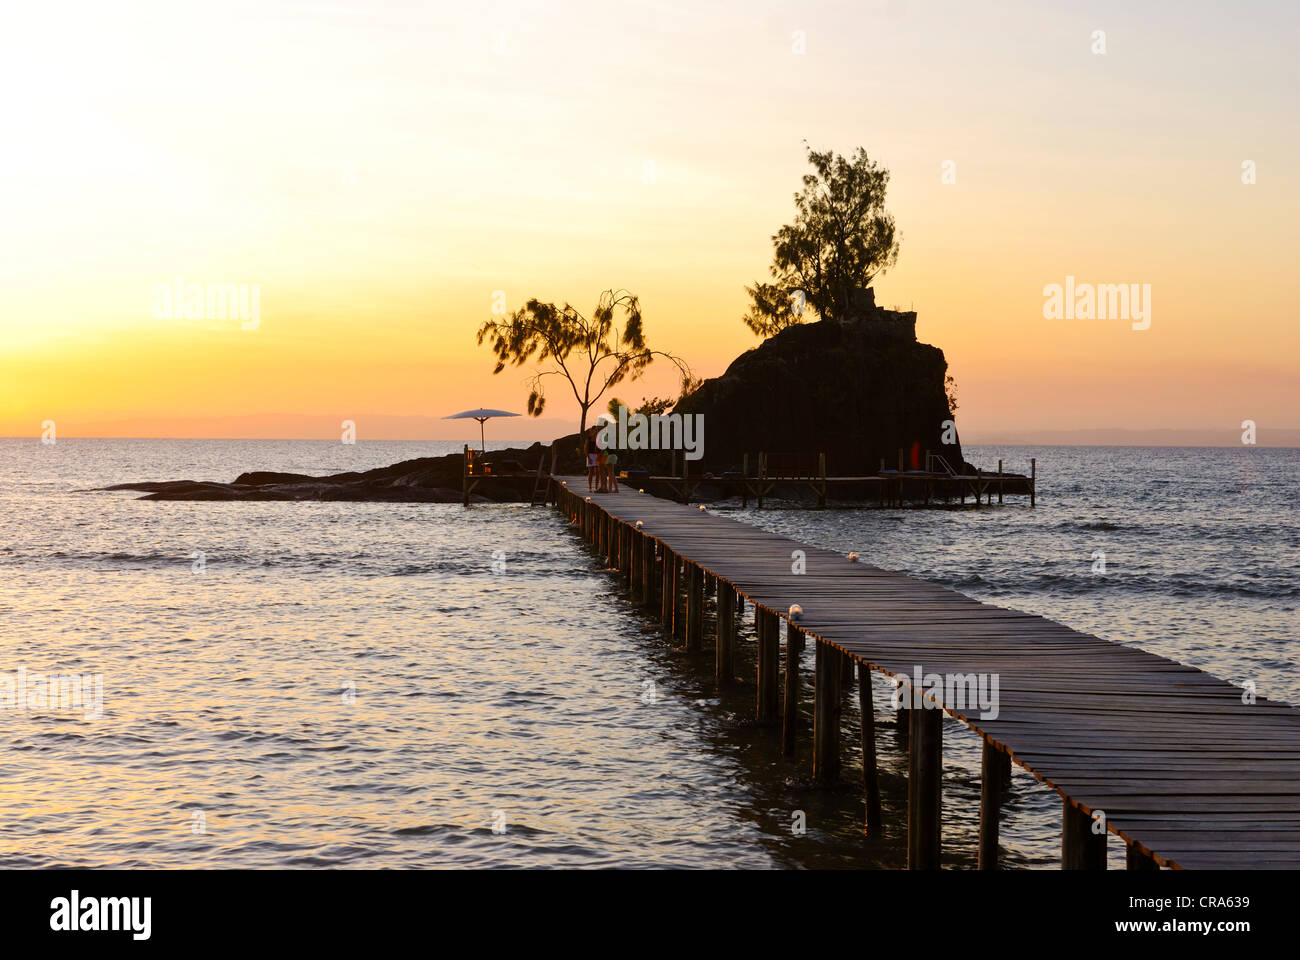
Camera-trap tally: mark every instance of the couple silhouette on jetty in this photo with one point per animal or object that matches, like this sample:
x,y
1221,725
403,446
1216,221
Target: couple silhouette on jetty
x,y
602,465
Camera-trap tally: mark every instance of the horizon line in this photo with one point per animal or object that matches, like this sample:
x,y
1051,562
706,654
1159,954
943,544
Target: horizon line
x,y
527,443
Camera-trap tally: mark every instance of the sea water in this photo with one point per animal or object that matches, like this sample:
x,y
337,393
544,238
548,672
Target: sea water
x,y
421,685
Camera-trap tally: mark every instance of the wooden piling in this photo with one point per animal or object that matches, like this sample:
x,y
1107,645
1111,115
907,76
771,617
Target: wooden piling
x,y
679,602
647,571
924,788
1081,848
725,642
666,591
790,704
903,717
634,577
826,713
768,665
991,765
694,607
1033,480
870,774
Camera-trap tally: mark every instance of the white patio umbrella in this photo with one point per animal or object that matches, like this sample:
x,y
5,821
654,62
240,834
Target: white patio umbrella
x,y
482,415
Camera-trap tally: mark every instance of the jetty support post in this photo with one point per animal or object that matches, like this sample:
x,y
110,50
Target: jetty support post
x,y
666,592
827,674
694,607
634,578
924,788
647,570
1081,847
790,704
1001,482
1033,480
902,713
870,773
679,602
995,769
725,645
769,668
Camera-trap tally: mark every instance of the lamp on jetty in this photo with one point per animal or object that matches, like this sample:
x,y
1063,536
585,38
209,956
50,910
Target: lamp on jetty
x,y
482,415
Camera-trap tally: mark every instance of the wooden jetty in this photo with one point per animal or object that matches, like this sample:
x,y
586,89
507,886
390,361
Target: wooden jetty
x,y
476,469
805,473
1169,759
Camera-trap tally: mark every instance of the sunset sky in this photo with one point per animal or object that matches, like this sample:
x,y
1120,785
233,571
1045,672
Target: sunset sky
x,y
379,169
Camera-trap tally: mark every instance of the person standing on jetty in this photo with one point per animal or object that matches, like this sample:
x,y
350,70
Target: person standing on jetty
x,y
602,469
611,471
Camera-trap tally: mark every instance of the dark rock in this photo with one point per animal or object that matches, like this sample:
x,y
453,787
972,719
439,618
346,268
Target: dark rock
x,y
423,480
857,391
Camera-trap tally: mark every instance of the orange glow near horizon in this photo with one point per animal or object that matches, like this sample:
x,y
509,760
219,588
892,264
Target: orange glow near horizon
x,y
379,173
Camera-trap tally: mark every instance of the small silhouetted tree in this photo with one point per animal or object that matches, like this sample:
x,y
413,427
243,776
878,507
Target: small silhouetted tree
x,y
591,354
841,238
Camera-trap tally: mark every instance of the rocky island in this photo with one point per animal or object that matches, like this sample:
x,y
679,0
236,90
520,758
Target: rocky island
x,y
857,390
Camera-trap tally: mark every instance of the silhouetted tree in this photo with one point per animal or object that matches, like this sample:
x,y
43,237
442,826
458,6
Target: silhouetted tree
x,y
841,238
591,354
